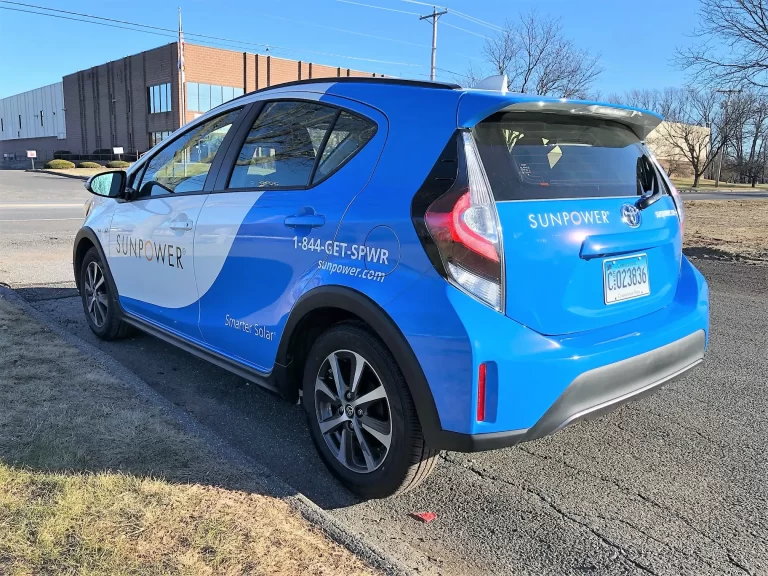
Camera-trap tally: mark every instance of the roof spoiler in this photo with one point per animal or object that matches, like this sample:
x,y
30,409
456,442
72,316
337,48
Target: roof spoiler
x,y
477,106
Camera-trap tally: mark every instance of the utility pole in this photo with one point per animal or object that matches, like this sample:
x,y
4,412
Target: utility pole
x,y
726,128
435,15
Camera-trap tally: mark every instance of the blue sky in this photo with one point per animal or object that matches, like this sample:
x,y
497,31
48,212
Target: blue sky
x,y
636,41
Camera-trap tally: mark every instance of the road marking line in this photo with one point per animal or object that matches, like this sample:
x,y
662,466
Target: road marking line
x,y
41,220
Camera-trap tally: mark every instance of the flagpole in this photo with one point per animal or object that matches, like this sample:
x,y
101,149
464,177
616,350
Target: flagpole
x,y
182,87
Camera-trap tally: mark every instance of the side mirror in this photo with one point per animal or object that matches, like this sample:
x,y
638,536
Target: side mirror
x,y
107,184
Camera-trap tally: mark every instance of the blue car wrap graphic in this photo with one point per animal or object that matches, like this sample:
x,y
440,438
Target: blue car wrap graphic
x,y
234,279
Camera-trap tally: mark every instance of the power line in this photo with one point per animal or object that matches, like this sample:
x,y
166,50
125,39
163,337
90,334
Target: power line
x,y
457,13
465,30
379,7
356,33
460,14
164,32
203,35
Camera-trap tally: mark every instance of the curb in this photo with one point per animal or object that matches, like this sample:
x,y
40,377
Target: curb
x,y
44,171
271,484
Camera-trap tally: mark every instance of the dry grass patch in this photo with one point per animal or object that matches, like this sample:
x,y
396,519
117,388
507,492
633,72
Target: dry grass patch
x,y
88,172
96,480
709,185
727,229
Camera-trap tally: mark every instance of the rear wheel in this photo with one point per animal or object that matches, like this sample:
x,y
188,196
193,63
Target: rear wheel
x,y
361,415
99,304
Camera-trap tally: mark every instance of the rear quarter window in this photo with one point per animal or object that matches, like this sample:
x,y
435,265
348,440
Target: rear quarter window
x,y
529,156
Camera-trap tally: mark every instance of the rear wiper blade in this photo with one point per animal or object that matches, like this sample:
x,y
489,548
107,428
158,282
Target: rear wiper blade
x,y
649,199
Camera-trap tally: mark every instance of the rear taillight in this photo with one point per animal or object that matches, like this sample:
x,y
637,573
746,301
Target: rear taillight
x,y
464,226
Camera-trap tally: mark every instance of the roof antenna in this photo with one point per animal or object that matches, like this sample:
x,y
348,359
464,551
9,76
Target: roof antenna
x,y
495,83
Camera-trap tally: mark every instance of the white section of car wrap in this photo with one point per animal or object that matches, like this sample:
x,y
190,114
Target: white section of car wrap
x,y
217,229
155,280
99,218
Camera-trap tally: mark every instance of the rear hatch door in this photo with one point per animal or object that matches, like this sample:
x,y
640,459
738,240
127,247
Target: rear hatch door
x,y
579,254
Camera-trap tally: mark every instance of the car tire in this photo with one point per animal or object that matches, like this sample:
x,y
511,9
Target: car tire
x,y
100,304
378,449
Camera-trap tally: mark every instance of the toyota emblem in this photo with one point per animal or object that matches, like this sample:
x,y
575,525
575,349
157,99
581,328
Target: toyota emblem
x,y
630,215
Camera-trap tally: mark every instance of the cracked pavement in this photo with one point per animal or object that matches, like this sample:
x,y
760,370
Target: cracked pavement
x,y
676,483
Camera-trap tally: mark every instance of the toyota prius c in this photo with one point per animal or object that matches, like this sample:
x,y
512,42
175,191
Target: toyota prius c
x,y
424,267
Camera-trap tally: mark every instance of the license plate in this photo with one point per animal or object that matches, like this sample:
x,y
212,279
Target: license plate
x,y
625,278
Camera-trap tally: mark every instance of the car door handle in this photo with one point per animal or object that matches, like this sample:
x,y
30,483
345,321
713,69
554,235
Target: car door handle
x,y
181,225
309,220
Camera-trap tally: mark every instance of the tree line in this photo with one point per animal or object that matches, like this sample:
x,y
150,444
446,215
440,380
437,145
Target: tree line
x,y
717,124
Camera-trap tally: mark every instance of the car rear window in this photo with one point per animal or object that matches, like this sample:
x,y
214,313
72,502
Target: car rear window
x,y
530,156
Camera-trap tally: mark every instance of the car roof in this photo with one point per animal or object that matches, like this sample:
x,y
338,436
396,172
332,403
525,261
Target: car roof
x,y
474,104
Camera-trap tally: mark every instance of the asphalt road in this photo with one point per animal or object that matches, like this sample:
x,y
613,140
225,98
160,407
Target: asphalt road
x,y
673,484
39,217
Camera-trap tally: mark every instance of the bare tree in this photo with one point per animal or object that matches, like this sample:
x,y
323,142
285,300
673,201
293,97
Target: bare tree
x,y
734,43
696,128
745,149
537,58
659,101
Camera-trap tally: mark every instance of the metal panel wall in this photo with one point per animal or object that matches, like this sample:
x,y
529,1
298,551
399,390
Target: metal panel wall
x,y
38,113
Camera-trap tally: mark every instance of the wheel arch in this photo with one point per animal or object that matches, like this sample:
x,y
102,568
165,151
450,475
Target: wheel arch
x,y
85,240
324,306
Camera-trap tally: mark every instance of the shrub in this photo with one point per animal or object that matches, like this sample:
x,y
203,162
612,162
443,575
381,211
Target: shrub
x,y
117,164
59,164
89,165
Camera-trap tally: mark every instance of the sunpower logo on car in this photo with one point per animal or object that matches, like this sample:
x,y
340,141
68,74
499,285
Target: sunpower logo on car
x,y
149,250
573,218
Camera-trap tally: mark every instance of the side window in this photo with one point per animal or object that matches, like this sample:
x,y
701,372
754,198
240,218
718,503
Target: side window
x,y
350,133
183,165
281,148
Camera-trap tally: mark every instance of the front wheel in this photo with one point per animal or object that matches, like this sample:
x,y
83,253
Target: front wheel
x,y
99,303
361,415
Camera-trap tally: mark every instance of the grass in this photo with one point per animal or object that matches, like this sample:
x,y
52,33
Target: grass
x,y
708,185
97,480
727,229
82,171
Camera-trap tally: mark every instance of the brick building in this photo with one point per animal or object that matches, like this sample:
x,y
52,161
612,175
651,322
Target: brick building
x,y
135,102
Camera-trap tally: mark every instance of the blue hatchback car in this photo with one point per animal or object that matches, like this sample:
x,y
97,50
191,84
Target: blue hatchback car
x,y
424,267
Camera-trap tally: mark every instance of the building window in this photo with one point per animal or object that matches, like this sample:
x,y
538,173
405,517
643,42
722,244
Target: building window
x,y
41,117
203,97
157,137
159,98
2,126
19,121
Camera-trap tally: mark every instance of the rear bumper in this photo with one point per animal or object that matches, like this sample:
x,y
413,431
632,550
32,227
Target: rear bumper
x,y
538,384
602,389
598,391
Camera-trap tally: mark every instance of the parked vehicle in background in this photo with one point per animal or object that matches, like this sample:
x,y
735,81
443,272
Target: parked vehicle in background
x,y
426,267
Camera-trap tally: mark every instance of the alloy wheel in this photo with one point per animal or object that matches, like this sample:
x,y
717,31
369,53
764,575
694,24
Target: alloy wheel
x,y
353,411
96,300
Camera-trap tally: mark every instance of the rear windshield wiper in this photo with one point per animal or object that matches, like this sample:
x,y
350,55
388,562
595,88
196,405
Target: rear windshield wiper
x,y
653,195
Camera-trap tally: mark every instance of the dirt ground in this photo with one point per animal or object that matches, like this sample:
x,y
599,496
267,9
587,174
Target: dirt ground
x,y
96,480
727,230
